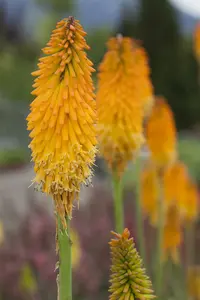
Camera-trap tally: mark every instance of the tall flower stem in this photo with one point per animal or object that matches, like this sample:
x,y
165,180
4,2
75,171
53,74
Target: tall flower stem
x,y
118,203
139,217
65,267
159,241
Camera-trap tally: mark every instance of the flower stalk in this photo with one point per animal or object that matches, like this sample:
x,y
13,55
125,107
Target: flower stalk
x,y
65,265
160,235
118,202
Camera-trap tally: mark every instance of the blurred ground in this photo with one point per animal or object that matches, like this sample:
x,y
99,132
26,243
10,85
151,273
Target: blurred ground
x,y
18,196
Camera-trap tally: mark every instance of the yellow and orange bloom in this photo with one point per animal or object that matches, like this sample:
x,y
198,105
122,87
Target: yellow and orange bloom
x,y
128,279
191,202
194,282
175,180
172,234
144,83
161,134
63,116
120,102
149,192
197,41
183,194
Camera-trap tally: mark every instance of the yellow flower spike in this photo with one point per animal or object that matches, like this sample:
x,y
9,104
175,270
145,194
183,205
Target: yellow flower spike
x,y
143,79
161,134
128,279
191,202
176,194
172,234
183,194
193,282
197,42
123,91
149,191
63,116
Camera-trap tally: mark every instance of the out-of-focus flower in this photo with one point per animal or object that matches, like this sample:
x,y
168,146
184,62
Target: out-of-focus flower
x,y
143,79
197,41
172,233
175,180
191,202
62,117
183,194
121,99
149,191
128,279
161,134
194,282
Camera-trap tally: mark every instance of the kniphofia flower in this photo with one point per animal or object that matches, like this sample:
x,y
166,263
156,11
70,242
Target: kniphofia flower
x,y
120,102
128,279
143,78
62,116
191,202
149,192
197,41
172,233
175,192
161,134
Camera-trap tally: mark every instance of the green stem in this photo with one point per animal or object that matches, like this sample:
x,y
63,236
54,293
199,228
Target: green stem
x,y
118,203
159,241
139,219
65,268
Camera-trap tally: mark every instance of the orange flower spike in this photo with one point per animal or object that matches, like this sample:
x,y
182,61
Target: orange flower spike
x,y
143,79
149,191
161,134
176,193
119,107
197,41
172,233
191,202
63,116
